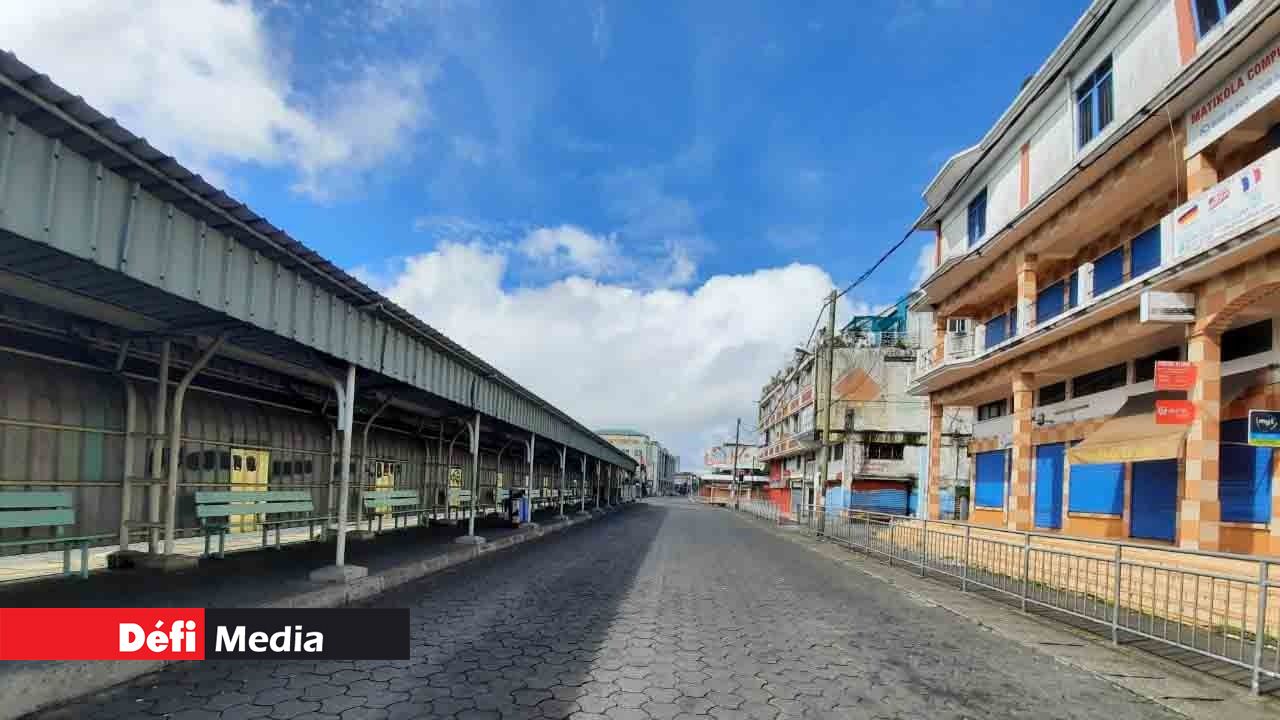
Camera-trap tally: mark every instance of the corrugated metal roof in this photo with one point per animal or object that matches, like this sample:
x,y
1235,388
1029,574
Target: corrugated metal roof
x,y
100,138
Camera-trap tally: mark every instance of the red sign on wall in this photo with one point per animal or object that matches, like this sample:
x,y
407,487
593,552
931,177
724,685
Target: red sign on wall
x,y
1175,412
1175,375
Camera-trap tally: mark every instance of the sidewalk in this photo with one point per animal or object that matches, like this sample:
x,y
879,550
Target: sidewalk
x,y
1191,693
257,578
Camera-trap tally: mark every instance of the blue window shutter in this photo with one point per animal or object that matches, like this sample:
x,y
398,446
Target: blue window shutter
x,y
1073,290
1108,271
989,483
1097,489
1049,303
1145,251
1244,483
995,330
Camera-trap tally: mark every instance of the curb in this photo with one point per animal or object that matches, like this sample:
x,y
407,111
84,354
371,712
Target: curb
x,y
28,686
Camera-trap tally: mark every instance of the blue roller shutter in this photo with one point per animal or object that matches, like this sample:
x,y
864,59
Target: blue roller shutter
x,y
1049,465
1154,500
1049,303
1108,271
1097,489
996,330
893,502
1144,254
989,483
1244,475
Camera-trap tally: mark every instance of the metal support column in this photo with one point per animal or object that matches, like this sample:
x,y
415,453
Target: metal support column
x,y
130,429
340,571
175,438
159,415
474,431
364,456
564,451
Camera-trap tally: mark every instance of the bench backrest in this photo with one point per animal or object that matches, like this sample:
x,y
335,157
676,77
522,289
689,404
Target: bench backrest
x,y
390,498
30,509
221,503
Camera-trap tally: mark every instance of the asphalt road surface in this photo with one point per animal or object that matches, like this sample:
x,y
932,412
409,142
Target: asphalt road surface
x,y
667,610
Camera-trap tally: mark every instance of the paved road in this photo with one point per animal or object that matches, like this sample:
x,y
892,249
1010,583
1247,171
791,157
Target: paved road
x,y
665,611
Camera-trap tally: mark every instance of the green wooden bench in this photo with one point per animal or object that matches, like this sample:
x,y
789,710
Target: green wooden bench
x,y
211,505
377,500
37,509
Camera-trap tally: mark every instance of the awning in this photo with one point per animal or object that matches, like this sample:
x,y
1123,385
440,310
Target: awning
x,y
1132,435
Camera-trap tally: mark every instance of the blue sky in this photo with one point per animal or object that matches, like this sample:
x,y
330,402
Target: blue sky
x,y
583,192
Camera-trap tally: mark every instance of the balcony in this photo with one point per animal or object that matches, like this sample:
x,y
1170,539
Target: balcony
x,y
1190,236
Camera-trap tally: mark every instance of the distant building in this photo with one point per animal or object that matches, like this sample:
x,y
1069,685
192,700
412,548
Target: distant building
x,y
879,433
657,466
720,460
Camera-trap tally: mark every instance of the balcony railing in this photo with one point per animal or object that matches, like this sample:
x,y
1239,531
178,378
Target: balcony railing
x,y
1224,211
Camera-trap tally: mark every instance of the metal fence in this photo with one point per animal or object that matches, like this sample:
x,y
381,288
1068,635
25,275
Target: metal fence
x,y
1216,605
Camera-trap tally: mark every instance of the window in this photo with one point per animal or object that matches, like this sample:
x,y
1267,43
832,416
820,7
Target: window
x,y
1049,302
1108,271
1144,252
993,410
837,452
978,218
275,468
996,330
989,480
1073,290
1099,380
224,461
210,459
1244,483
1246,340
884,451
1144,368
308,467
958,326
1211,12
1093,102
193,461
1050,394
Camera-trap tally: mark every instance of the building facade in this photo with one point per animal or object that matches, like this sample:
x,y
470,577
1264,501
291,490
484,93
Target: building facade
x,y
656,466
878,441
1121,213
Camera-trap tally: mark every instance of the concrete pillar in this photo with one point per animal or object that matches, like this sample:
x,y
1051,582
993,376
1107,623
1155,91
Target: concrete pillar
x,y
939,339
1202,173
1200,512
1021,514
934,510
1027,290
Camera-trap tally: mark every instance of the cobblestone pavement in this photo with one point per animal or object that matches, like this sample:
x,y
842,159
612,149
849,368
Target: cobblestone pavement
x,y
665,611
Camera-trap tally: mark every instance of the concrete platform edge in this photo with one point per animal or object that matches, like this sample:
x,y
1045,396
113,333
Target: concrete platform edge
x,y
30,686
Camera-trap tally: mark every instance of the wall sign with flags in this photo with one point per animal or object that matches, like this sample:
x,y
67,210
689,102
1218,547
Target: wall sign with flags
x,y
1264,428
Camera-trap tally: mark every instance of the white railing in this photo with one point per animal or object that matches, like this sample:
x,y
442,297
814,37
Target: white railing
x,y
1216,605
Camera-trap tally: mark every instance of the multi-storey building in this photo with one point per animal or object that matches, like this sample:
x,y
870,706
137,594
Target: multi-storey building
x,y
878,430
656,465
1139,161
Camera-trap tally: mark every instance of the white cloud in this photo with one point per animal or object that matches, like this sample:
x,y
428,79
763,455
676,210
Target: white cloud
x,y
573,248
680,364
204,81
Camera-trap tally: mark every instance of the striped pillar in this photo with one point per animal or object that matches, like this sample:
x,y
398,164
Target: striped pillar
x,y
1021,515
1200,512
1027,290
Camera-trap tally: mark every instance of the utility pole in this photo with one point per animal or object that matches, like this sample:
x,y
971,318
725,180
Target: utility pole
x,y
737,491
820,482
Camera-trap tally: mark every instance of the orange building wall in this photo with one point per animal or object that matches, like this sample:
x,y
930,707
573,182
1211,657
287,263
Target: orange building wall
x,y
1094,526
980,516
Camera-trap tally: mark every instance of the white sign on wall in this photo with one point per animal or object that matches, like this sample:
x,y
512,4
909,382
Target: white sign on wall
x,y
1227,209
1246,91
1168,307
